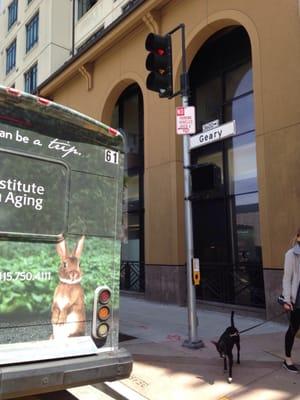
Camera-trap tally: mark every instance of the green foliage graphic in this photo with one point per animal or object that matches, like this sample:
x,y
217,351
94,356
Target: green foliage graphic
x,y
100,263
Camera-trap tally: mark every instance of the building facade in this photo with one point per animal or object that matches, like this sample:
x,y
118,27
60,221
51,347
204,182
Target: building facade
x,y
243,61
39,36
35,40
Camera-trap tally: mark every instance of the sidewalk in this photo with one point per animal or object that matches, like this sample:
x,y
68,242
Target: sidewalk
x,y
165,370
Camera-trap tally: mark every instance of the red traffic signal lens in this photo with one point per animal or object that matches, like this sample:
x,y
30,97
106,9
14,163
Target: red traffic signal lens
x,y
104,296
155,62
156,42
160,52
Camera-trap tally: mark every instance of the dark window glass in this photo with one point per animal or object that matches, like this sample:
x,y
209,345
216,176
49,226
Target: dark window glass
x,y
132,190
29,1
12,13
211,158
132,275
224,189
32,195
32,32
131,247
248,279
241,110
246,214
11,56
220,73
208,172
128,115
238,81
30,79
84,6
242,170
131,123
210,105
210,231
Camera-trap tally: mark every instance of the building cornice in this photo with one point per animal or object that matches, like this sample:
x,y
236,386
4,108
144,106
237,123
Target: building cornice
x,y
144,11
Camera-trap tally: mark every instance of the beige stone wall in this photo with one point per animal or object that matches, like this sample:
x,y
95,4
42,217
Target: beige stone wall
x,y
118,60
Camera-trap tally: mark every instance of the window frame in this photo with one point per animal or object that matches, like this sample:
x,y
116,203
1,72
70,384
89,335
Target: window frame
x,y
31,76
83,6
32,32
11,52
12,14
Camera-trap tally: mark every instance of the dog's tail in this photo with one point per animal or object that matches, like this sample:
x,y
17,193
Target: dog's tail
x,y
232,321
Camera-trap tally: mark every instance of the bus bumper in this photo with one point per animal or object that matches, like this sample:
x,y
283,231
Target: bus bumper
x,y
48,376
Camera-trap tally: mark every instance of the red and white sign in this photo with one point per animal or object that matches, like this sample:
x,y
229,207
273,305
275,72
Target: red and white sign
x,y
185,120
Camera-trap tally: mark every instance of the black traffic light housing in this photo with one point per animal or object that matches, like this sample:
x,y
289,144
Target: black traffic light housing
x,y
159,63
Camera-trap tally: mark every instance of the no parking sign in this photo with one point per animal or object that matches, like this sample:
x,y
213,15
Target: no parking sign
x,y
185,120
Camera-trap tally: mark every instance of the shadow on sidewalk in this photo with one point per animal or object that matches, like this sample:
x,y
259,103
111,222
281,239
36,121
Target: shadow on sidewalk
x,y
170,369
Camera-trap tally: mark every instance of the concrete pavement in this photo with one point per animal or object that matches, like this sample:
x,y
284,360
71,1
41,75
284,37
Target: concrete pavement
x,y
164,369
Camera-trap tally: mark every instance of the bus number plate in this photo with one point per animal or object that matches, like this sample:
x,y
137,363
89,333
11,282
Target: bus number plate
x,y
111,156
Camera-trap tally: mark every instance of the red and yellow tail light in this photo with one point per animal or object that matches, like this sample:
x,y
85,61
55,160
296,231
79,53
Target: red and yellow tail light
x,y
102,312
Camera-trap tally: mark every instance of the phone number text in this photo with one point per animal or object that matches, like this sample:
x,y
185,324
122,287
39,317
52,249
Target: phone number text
x,y
24,276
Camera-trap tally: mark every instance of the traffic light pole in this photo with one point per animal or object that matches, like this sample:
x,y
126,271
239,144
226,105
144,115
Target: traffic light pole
x,y
193,342
160,80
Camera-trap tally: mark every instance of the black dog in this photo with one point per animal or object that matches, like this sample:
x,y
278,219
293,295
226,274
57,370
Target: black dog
x,y
225,345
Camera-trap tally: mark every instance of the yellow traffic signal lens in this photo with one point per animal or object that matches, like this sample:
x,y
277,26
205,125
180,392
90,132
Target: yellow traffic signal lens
x,y
104,313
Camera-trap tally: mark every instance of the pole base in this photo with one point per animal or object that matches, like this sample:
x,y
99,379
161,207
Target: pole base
x,y
193,345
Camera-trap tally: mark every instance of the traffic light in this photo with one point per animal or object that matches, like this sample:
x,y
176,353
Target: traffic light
x,y
102,313
159,63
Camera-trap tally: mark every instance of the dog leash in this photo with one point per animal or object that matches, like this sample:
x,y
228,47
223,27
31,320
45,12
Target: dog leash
x,y
262,323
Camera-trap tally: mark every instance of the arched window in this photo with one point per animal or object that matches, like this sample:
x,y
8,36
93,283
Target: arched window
x,y
225,202
129,116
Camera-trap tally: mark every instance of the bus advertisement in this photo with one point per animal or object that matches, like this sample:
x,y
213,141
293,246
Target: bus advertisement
x,y
61,187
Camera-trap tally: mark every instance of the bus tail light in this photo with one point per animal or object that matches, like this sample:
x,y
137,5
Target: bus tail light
x,y
43,101
102,313
112,131
13,92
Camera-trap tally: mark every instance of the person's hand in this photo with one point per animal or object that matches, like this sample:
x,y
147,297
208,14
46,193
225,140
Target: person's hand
x,y
288,307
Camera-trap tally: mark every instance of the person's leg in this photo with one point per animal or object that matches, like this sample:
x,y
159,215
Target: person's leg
x,y
290,335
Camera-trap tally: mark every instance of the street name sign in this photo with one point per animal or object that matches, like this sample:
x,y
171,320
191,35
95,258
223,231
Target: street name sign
x,y
213,135
185,120
210,125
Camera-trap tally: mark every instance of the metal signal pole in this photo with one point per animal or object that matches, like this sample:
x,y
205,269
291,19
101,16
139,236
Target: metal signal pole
x,y
193,341
160,79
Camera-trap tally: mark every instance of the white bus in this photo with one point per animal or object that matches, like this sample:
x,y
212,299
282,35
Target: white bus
x,y
61,185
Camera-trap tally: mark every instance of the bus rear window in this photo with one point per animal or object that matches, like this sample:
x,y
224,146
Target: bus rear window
x,y
99,195
33,193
